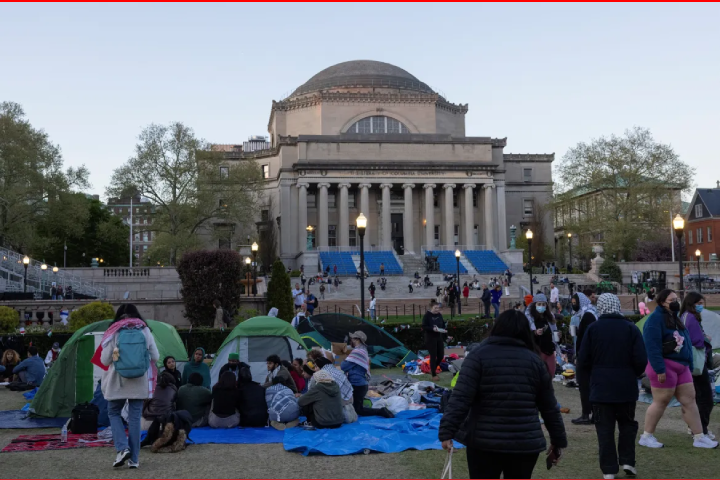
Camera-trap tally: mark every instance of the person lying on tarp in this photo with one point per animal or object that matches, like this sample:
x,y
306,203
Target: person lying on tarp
x,y
251,401
322,404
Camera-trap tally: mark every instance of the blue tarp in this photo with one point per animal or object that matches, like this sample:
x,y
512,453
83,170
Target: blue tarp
x,y
236,435
409,430
20,419
31,394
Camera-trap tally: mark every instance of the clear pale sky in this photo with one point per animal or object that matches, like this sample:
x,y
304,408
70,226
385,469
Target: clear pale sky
x,y
546,76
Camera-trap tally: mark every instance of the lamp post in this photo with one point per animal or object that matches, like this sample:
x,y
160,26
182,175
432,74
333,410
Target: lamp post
x,y
254,249
679,227
698,254
457,262
570,247
248,275
26,262
528,236
361,224
43,267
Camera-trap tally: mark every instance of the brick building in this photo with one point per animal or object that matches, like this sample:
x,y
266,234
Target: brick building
x,y
142,213
702,224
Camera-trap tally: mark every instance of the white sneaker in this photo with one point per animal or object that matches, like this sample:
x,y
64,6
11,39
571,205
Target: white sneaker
x,y
649,440
704,442
121,458
608,476
711,435
132,464
629,471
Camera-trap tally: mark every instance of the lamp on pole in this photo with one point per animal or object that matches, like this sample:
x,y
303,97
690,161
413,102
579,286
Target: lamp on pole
x,y
26,262
528,236
248,275
457,262
361,224
255,249
309,229
698,254
570,252
679,227
43,267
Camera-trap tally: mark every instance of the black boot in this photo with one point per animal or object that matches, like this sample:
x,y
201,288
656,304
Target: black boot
x,y
583,420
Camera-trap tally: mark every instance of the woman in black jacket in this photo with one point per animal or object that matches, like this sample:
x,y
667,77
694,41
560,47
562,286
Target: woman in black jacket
x,y
434,326
502,386
540,318
251,401
171,367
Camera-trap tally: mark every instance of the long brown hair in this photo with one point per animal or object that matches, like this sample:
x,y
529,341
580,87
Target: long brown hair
x,y
15,359
689,302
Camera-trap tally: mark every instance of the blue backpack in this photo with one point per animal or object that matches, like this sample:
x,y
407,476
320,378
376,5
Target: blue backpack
x,y
134,359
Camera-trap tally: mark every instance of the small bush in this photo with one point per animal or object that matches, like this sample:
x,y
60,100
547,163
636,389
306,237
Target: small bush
x,y
207,275
91,313
279,292
612,270
295,273
9,319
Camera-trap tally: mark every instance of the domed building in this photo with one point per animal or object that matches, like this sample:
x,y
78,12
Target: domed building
x,y
370,137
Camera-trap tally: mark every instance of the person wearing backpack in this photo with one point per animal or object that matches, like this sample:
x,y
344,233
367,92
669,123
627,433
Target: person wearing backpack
x,y
128,354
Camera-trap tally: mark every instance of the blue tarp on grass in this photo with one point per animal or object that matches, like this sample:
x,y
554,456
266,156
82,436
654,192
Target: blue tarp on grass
x,y
409,430
236,435
20,419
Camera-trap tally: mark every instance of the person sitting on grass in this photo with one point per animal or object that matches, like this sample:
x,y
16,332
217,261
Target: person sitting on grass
x,y
277,374
298,365
171,367
322,405
251,402
162,401
234,364
282,406
225,396
197,364
357,369
10,360
297,378
31,370
196,399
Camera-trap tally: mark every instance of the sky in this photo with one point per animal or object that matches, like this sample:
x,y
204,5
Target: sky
x,y
546,76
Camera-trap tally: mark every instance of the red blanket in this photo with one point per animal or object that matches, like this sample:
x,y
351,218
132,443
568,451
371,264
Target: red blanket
x,y
39,443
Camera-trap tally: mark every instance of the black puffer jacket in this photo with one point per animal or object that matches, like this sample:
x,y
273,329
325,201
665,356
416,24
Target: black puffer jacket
x,y
502,386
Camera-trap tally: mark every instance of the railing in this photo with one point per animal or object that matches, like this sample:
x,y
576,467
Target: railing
x,y
367,248
126,272
444,248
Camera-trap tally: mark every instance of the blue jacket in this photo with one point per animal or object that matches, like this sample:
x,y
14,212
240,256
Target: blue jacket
x,y
355,373
34,368
496,295
655,333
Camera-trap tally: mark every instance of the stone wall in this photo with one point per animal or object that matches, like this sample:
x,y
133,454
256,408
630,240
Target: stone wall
x,y
139,282
672,268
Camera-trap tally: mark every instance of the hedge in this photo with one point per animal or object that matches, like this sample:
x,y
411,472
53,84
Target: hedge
x,y
9,319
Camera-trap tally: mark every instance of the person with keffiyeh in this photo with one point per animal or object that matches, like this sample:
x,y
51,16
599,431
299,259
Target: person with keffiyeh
x,y
584,315
357,368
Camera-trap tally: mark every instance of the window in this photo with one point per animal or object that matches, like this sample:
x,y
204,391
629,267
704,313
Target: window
x,y
137,210
709,239
351,199
311,200
437,234
266,171
698,210
137,237
352,236
378,124
689,237
332,236
264,215
527,174
145,237
137,248
435,199
224,172
475,198
145,248
331,200
528,207
454,199
457,235
699,235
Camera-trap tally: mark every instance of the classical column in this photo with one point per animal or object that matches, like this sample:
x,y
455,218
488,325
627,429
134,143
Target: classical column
x,y
489,220
343,216
302,216
286,234
322,208
469,217
364,199
502,226
408,223
429,221
449,214
386,229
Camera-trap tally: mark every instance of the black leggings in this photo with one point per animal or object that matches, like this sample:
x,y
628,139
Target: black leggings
x,y
359,393
704,397
484,464
436,347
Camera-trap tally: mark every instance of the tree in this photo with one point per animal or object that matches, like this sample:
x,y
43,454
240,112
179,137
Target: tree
x,y
541,251
207,275
181,176
611,269
619,190
31,177
279,293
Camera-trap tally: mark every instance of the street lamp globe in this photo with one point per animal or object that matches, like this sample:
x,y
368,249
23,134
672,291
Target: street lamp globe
x,y
457,254
43,267
569,235
361,221
55,269
678,223
26,260
698,253
309,228
529,234
247,261
254,247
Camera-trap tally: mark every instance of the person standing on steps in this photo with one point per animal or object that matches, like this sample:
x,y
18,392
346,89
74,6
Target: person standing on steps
x,y
495,296
486,298
382,269
584,314
371,289
434,327
466,293
554,295
612,357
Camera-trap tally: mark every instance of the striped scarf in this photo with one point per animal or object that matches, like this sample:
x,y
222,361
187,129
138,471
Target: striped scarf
x,y
359,356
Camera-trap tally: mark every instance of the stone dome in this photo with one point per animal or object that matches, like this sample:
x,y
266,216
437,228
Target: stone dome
x,y
363,73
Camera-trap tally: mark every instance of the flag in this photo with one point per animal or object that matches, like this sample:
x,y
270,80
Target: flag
x,y
49,333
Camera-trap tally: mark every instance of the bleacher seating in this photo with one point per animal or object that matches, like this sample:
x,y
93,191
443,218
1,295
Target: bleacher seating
x,y
343,260
485,261
374,259
447,261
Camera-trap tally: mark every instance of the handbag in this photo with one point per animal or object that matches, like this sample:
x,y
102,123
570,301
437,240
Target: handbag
x,y
699,358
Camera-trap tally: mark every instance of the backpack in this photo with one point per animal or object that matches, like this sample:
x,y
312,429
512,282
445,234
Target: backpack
x,y
134,359
85,418
227,318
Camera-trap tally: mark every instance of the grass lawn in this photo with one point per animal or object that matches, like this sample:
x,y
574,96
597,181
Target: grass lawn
x,y
677,460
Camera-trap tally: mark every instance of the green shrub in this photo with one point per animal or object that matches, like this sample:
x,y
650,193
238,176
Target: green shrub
x,y
279,292
295,273
9,319
90,313
612,270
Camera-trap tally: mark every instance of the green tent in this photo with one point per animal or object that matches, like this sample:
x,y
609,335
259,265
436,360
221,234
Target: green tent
x,y
72,378
256,339
641,323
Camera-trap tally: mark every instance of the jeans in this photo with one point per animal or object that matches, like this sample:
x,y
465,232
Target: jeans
x,y
482,464
487,309
605,416
359,392
704,398
118,428
496,306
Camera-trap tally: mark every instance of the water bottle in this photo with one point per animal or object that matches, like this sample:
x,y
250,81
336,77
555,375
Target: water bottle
x,y
63,434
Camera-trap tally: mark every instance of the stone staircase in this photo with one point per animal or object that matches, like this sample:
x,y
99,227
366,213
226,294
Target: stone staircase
x,y
412,264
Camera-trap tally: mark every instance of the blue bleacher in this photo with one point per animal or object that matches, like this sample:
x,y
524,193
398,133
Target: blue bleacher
x,y
374,259
447,261
485,261
343,260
